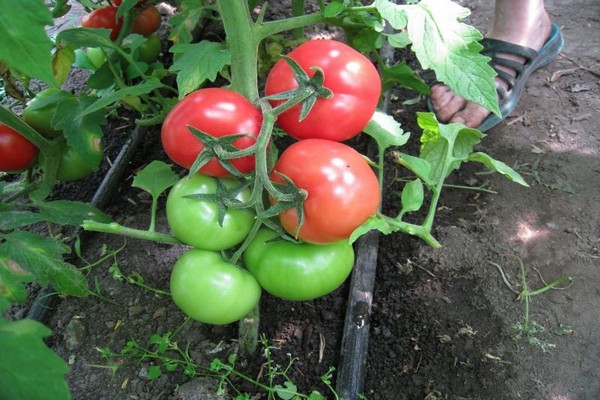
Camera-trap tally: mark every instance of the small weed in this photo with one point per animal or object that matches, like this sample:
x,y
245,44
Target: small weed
x,y
166,355
528,329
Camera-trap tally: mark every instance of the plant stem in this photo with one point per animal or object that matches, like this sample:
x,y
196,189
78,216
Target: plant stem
x,y
248,331
119,229
273,27
242,41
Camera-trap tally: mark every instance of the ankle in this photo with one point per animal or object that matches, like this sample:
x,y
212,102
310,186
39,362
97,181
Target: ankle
x,y
530,29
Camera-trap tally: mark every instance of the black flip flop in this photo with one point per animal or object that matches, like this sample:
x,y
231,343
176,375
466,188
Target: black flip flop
x,y
534,60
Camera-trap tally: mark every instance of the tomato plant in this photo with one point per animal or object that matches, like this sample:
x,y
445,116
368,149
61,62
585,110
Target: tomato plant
x,y
342,189
147,21
39,111
297,271
16,152
211,290
218,112
73,167
104,17
352,78
198,222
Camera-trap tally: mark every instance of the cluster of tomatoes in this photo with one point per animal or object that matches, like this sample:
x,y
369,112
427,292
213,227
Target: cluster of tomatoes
x,y
342,191
17,153
146,21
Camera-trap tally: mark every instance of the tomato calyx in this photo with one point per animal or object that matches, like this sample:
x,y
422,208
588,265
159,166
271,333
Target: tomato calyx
x,y
219,148
224,198
293,197
309,90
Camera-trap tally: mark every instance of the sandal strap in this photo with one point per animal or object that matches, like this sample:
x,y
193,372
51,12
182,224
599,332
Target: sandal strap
x,y
497,49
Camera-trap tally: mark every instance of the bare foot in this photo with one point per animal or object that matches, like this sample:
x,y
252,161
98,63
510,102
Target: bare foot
x,y
532,31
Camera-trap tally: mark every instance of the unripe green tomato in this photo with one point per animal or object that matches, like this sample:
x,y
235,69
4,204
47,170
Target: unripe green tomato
x,y
210,290
196,222
297,271
150,50
73,167
96,56
39,111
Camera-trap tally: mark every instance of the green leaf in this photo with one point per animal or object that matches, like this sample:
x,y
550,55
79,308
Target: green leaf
x,y
11,219
418,166
403,75
287,393
190,72
80,126
386,130
102,78
155,178
25,44
62,60
28,368
498,166
154,372
399,40
137,90
12,281
42,257
447,46
374,222
87,37
412,196
315,395
186,20
66,212
445,147
367,40
334,8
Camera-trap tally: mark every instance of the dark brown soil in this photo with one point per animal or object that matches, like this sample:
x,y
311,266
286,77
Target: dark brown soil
x,y
443,320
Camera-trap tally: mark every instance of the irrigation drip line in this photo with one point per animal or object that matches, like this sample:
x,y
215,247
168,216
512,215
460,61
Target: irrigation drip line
x,y
352,366
46,298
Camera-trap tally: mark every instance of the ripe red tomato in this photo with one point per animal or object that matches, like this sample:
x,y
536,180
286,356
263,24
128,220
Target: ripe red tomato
x,y
147,21
217,112
104,17
16,152
343,190
352,78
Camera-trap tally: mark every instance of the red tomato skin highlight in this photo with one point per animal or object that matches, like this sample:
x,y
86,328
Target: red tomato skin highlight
x,y
16,152
217,112
104,17
343,190
353,79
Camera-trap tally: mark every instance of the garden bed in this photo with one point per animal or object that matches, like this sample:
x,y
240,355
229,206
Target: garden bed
x,y
442,319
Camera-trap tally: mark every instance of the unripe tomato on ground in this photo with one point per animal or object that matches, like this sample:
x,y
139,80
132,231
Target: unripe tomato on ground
x,y
210,290
196,222
343,190
104,17
73,167
352,78
147,21
217,112
16,152
39,111
298,271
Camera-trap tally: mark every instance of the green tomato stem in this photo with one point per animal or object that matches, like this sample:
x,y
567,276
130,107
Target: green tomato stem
x,y
273,27
118,229
242,42
248,331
